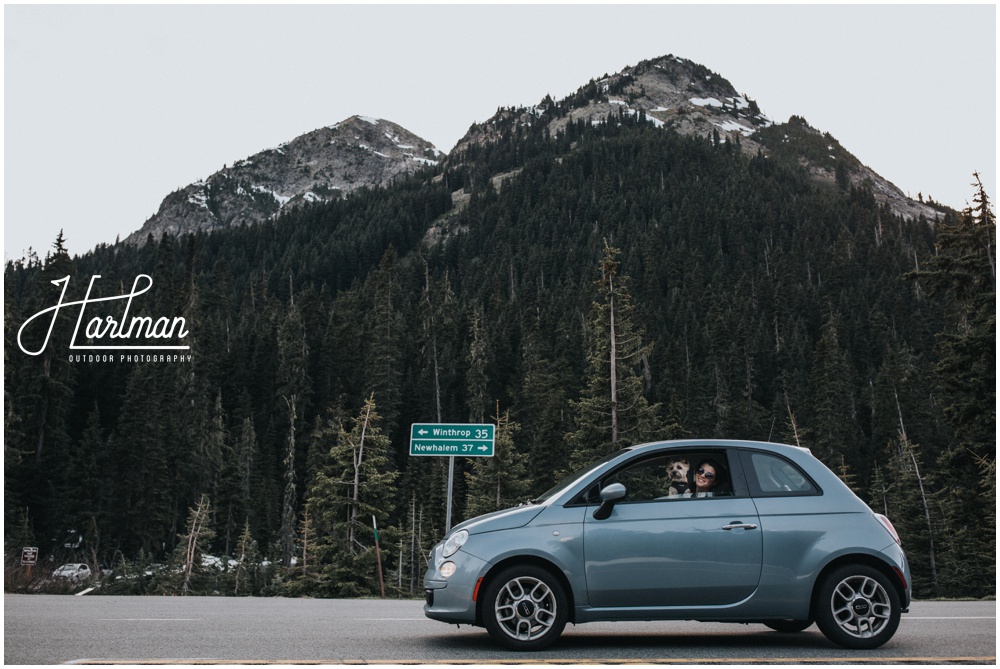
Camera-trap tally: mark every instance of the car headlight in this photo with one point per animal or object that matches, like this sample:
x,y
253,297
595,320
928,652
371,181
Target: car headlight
x,y
448,569
454,542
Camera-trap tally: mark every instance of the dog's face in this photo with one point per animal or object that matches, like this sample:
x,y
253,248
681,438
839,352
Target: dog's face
x,y
678,470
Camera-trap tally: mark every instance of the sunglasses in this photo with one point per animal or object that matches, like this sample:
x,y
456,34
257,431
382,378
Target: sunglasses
x,y
708,475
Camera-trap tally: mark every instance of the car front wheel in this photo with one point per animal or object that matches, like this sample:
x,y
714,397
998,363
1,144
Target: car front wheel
x,y
525,608
857,607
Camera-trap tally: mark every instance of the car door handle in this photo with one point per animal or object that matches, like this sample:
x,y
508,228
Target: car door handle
x,y
736,525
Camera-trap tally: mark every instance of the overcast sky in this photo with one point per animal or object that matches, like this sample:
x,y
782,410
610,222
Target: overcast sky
x,y
107,109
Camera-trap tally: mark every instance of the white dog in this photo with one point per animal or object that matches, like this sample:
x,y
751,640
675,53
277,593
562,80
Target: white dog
x,y
678,471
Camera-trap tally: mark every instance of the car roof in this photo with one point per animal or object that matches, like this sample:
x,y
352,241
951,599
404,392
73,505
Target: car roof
x,y
719,443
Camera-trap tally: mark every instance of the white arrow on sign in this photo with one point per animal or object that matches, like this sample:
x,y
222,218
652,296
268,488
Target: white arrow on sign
x,y
484,448
421,431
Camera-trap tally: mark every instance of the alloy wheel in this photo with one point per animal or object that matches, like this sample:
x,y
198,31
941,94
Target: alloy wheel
x,y
861,607
526,608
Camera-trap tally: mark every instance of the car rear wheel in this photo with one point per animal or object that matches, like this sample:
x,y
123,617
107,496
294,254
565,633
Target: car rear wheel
x,y
524,608
857,607
788,625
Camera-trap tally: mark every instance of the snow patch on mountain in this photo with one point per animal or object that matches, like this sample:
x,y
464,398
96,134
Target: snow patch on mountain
x,y
319,166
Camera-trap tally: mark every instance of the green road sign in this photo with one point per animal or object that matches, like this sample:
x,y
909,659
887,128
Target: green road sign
x,y
466,439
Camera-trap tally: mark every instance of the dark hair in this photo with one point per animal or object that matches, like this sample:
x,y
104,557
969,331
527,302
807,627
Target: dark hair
x,y
720,471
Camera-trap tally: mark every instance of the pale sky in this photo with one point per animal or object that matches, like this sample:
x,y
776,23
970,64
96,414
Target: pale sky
x,y
107,109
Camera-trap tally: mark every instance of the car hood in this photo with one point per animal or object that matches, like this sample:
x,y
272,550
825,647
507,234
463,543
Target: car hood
x,y
508,519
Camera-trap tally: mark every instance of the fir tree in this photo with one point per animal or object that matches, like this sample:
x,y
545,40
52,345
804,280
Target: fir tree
x,y
501,481
476,376
908,506
145,485
541,405
964,271
834,407
612,411
385,360
247,563
190,549
357,484
56,375
290,498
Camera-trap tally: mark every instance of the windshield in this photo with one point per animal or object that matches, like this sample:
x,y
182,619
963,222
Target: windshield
x,y
559,487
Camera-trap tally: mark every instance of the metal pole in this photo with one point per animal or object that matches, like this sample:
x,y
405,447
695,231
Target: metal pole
x,y
451,480
378,557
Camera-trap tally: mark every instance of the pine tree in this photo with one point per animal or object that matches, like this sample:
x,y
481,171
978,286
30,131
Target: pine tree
x,y
191,548
244,458
541,406
288,505
612,411
358,483
146,487
85,485
476,377
834,405
909,509
248,561
384,361
438,341
964,272
293,362
13,437
370,480
211,449
231,493
501,481
56,375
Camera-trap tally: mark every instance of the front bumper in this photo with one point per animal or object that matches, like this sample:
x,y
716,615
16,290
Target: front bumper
x,y
450,599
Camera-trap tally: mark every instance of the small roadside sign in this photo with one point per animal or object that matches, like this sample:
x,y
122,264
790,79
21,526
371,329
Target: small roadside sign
x,y
471,440
29,555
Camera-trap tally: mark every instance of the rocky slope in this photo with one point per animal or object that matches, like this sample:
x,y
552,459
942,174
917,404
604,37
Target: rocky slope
x,y
319,166
677,93
670,92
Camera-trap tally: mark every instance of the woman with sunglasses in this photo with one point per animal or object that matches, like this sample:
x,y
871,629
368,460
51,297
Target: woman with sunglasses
x,y
707,475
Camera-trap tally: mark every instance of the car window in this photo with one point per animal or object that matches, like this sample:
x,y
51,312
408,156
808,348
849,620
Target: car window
x,y
777,476
645,481
662,478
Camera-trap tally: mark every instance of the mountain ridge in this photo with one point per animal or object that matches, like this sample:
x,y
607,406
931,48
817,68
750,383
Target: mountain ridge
x,y
318,166
677,93
360,152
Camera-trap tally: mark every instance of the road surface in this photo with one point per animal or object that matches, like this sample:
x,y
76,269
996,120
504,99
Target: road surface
x,y
53,629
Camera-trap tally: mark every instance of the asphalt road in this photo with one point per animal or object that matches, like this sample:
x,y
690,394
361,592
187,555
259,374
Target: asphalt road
x,y
51,629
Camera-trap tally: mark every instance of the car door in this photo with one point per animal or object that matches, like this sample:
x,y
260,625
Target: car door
x,y
672,551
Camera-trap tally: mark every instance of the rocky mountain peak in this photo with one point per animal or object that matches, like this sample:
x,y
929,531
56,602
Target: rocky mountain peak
x,y
669,91
679,94
319,166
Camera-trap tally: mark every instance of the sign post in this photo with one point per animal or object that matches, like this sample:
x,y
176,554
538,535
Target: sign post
x,y
29,558
378,556
473,440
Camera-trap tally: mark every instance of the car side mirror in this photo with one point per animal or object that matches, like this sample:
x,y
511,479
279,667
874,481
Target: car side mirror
x,y
610,495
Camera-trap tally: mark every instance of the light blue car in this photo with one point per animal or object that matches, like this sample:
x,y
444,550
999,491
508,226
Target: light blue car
x,y
708,530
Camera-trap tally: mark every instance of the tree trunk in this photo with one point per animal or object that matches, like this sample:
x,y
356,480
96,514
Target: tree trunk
x,y
288,505
614,365
359,458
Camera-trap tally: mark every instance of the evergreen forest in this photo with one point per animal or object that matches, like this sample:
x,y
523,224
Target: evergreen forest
x,y
751,301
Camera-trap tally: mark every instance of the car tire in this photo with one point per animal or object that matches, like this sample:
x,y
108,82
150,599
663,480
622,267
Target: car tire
x,y
857,607
525,608
787,625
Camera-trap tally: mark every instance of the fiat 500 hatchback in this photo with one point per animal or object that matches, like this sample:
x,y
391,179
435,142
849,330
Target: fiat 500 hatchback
x,y
724,531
